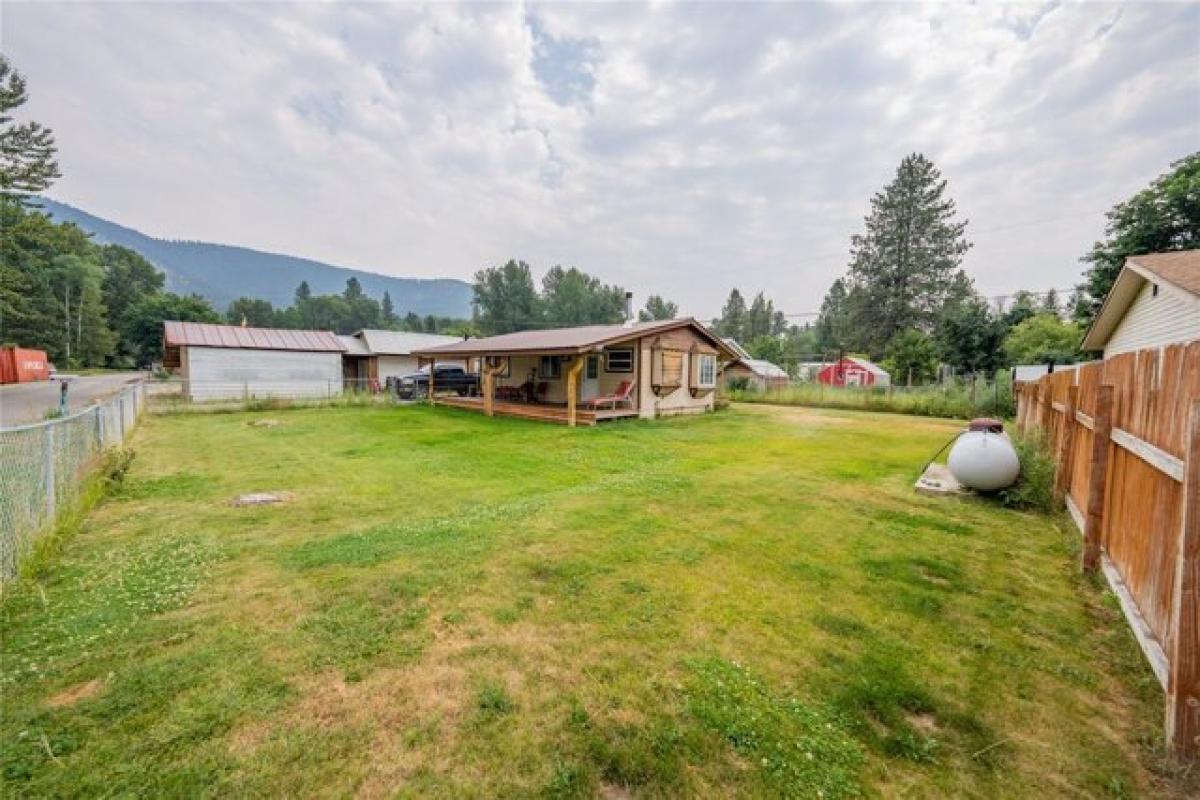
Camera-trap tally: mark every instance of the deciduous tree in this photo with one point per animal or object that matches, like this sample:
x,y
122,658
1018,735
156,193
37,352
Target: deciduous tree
x,y
658,308
505,299
1042,338
1164,216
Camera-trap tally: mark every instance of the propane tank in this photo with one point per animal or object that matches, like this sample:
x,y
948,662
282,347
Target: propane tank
x,y
983,458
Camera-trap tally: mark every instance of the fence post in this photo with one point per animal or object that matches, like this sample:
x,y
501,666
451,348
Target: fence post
x,y
1098,482
48,472
1047,395
99,408
1066,450
121,417
1183,660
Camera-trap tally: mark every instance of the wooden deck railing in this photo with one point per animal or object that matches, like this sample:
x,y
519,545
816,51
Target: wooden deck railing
x,y
1126,437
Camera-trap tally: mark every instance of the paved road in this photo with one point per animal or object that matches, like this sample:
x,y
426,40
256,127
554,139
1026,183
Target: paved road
x,y
22,403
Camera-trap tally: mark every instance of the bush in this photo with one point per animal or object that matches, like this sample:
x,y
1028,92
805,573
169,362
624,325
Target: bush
x,y
1034,489
738,384
114,466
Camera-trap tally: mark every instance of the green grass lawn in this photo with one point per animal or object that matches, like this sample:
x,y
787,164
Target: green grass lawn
x,y
753,602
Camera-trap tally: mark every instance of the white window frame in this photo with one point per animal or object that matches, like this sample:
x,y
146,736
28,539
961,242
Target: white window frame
x,y
708,366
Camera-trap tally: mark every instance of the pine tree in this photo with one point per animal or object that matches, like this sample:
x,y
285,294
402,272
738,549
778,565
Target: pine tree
x,y
732,323
303,292
388,311
833,324
1051,304
905,265
759,318
27,164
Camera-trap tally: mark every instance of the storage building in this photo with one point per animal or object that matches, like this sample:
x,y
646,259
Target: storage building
x,y
221,362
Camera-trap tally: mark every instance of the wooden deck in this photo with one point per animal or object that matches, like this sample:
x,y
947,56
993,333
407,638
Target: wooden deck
x,y
545,413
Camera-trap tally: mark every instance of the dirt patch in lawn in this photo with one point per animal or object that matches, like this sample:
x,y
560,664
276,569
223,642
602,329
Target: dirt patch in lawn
x,y
71,696
797,414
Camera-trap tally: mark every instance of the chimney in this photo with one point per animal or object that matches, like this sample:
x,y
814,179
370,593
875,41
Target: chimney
x,y
629,309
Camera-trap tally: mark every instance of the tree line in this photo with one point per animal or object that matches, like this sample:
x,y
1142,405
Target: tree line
x,y
352,310
507,299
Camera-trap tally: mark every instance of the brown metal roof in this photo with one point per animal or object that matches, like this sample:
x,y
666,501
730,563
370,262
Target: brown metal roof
x,y
203,334
567,340
1181,268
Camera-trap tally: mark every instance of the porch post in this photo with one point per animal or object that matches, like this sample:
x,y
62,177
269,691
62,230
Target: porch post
x,y
489,390
573,387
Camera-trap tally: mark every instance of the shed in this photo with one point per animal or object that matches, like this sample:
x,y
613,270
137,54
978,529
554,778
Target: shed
x,y
1154,301
851,371
756,372
392,351
218,362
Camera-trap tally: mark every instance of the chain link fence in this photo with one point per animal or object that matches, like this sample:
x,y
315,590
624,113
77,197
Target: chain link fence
x,y
43,467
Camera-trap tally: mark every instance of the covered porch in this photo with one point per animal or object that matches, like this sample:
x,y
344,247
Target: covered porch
x,y
542,412
568,388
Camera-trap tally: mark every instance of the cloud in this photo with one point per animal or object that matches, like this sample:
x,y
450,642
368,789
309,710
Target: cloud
x,y
675,149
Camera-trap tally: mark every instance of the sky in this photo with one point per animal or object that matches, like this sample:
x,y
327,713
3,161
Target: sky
x,y
677,149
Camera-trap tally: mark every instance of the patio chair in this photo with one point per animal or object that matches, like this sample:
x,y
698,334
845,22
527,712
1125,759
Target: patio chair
x,y
623,394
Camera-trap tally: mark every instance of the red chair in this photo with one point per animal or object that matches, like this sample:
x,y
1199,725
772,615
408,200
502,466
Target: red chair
x,y
623,394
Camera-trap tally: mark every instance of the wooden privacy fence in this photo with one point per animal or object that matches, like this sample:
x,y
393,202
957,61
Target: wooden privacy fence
x,y
1125,433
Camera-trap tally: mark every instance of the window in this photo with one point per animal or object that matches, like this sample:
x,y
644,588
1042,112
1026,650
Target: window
x,y
549,367
708,370
593,367
619,360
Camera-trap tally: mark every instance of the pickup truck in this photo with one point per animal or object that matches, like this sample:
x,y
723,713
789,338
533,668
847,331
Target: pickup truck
x,y
446,379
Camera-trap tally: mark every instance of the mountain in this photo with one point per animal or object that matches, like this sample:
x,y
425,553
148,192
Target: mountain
x,y
222,273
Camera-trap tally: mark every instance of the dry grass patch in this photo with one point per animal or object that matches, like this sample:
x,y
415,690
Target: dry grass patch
x,y
72,695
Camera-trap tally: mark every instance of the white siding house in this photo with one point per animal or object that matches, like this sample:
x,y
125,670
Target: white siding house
x,y
223,362
1154,301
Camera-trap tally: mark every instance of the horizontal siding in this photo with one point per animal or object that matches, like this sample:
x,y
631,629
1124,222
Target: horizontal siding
x,y
396,366
1155,321
225,373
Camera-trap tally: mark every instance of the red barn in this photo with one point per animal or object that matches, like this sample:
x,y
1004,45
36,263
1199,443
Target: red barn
x,y
853,372
18,365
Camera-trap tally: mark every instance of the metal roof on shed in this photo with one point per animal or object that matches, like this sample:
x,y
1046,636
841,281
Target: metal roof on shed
x,y
401,343
203,334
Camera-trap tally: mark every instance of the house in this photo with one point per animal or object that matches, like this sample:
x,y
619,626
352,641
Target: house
x,y
590,373
391,353
1154,301
218,362
755,372
851,371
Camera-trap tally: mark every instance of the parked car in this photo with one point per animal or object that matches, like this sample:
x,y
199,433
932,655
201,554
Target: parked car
x,y
445,379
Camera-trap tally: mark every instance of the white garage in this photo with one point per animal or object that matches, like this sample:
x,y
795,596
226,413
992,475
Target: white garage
x,y
224,362
393,350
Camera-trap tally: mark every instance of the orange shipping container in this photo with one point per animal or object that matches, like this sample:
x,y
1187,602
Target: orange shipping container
x,y
18,365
